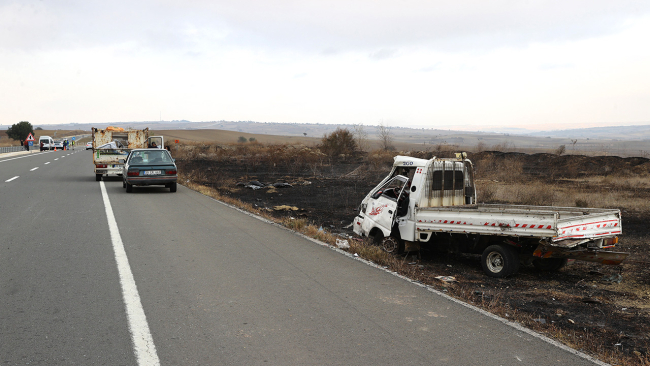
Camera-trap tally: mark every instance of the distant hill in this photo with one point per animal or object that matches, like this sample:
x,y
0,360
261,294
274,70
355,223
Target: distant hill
x,y
611,133
619,141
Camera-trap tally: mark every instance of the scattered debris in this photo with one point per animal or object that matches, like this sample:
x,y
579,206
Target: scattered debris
x,y
540,320
617,277
342,244
571,321
285,208
282,185
483,295
447,279
254,185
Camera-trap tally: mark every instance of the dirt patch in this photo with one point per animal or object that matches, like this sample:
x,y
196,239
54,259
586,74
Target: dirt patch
x,y
601,310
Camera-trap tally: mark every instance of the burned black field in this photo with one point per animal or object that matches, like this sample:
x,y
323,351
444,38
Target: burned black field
x,y
601,310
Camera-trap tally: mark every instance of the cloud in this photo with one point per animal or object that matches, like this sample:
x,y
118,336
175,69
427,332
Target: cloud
x,y
309,26
383,54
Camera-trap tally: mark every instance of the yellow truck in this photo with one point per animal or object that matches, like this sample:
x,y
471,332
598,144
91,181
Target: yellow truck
x,y
114,143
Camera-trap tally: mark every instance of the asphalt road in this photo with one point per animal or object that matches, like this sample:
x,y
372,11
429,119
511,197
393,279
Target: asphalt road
x,y
181,279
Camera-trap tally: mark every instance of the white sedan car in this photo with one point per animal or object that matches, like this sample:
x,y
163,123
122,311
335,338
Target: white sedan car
x,y
89,145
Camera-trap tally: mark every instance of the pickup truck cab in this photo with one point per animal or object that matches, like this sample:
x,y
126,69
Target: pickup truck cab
x,y
433,202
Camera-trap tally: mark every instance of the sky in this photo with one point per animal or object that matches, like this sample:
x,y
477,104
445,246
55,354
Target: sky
x,y
465,64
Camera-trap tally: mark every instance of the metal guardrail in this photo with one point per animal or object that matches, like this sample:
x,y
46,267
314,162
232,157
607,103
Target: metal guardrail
x,y
8,149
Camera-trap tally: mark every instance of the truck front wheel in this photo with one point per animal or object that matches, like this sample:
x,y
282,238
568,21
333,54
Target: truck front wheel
x,y
499,261
392,245
98,177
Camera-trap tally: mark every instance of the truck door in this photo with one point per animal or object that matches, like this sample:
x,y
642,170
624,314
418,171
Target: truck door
x,y
382,205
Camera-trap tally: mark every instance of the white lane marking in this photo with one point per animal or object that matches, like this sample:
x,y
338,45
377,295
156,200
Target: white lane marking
x,y
32,169
23,156
47,163
9,180
56,159
143,346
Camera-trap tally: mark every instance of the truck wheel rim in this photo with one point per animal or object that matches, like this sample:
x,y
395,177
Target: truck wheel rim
x,y
389,245
494,262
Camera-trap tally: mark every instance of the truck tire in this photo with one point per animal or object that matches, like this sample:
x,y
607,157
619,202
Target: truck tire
x,y
172,187
392,245
500,261
549,264
129,188
98,177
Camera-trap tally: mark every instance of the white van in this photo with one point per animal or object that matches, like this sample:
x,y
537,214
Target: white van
x,y
46,143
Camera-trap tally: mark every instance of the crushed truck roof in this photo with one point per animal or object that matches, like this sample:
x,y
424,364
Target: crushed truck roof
x,y
409,161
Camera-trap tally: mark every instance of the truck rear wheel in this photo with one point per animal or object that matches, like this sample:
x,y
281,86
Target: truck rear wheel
x,y
549,264
499,261
98,177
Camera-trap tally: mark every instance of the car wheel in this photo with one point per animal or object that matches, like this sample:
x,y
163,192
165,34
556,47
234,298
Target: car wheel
x,y
98,177
129,188
500,261
549,264
172,187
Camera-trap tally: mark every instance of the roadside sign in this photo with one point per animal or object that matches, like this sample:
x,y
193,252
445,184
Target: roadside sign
x,y
72,138
31,143
176,141
30,137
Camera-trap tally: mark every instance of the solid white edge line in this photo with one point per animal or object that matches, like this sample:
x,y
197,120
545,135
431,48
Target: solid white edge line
x,y
10,179
143,346
512,324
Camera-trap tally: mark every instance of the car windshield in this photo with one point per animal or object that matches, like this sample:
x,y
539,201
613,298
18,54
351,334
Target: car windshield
x,y
150,157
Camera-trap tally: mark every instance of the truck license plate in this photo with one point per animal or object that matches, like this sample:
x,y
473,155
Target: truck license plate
x,y
152,172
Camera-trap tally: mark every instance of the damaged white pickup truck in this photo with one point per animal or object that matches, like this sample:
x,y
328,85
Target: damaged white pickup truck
x,y
433,202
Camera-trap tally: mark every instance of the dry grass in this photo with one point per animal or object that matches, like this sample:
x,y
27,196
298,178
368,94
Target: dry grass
x,y
293,158
544,194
